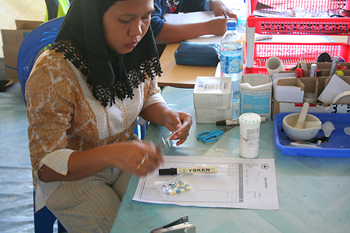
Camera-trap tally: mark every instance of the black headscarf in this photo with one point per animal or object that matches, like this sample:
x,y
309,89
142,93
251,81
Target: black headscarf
x,y
109,74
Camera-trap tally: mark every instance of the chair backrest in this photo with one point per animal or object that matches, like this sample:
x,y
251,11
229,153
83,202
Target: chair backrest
x,y
32,44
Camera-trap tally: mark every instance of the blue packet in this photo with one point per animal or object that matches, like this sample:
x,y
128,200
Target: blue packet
x,y
197,54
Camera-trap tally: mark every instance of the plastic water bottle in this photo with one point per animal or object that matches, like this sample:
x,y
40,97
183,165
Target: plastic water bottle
x,y
231,62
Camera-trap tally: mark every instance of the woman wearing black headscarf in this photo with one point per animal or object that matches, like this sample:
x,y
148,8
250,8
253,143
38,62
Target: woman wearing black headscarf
x,y
83,98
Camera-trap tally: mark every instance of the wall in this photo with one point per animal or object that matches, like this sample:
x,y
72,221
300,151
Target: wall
x,y
20,9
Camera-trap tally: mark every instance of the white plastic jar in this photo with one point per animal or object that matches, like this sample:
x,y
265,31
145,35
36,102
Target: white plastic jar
x,y
249,128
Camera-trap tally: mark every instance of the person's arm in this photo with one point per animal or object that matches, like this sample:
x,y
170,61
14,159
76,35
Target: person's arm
x,y
172,33
217,6
124,155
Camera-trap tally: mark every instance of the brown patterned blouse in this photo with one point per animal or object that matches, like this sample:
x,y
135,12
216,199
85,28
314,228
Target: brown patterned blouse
x,y
64,116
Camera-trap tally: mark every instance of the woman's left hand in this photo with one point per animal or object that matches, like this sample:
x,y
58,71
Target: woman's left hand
x,y
161,114
174,120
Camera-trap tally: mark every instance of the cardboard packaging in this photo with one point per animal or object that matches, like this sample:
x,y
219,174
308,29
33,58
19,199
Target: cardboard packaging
x,y
289,90
324,68
310,85
256,94
212,93
12,40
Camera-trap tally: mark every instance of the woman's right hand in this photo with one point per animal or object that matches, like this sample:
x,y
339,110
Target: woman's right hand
x,y
136,157
216,26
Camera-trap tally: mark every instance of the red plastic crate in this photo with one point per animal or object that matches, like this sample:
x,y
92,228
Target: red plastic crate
x,y
290,53
301,26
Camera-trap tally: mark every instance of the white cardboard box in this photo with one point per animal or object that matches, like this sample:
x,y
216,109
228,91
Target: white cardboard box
x,y
258,97
212,93
212,115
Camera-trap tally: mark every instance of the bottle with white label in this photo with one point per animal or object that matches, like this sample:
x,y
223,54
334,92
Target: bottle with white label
x,y
231,62
249,130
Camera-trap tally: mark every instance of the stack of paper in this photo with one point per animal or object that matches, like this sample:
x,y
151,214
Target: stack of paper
x,y
286,93
335,86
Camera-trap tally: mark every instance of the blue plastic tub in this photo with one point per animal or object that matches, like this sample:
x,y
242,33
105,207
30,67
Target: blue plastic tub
x,y
338,144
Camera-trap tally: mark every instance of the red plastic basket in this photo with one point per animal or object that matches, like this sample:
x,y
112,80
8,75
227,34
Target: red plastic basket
x,y
301,26
290,53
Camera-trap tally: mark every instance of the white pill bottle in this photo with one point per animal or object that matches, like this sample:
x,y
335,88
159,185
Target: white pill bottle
x,y
249,130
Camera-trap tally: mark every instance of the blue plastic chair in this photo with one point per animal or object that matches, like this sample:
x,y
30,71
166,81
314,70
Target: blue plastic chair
x,y
140,130
33,43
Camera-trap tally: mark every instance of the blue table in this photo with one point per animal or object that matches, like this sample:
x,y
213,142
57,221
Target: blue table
x,y
313,193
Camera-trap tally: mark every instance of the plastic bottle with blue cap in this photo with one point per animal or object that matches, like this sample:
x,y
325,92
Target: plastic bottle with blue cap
x,y
231,62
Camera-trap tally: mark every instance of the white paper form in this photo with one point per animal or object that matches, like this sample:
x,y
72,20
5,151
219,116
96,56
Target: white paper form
x,y
239,183
191,17
202,16
194,17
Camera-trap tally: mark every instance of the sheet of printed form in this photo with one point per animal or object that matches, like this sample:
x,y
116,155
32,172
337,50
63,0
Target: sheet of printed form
x,y
202,16
238,183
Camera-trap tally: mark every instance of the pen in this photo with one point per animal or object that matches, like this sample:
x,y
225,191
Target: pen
x,y
300,73
313,70
303,65
236,122
318,73
334,66
178,171
339,73
163,146
224,14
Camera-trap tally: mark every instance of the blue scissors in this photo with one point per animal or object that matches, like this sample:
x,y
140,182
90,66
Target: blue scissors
x,y
209,136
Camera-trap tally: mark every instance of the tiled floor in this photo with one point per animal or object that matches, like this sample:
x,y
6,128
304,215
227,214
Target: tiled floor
x,y
16,189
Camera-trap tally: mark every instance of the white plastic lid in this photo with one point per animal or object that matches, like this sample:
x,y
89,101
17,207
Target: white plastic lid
x,y
249,118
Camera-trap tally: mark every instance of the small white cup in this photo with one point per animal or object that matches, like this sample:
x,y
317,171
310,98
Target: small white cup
x,y
274,65
249,130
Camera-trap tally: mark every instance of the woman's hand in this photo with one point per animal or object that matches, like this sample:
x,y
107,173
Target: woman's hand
x,y
161,114
174,120
216,26
136,157
217,6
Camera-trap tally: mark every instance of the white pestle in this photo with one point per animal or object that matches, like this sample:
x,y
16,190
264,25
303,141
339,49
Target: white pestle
x,y
312,124
302,116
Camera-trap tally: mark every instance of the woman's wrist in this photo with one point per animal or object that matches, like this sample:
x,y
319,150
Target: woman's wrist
x,y
108,155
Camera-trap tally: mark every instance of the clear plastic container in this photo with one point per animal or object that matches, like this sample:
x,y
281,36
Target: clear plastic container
x,y
231,61
231,51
